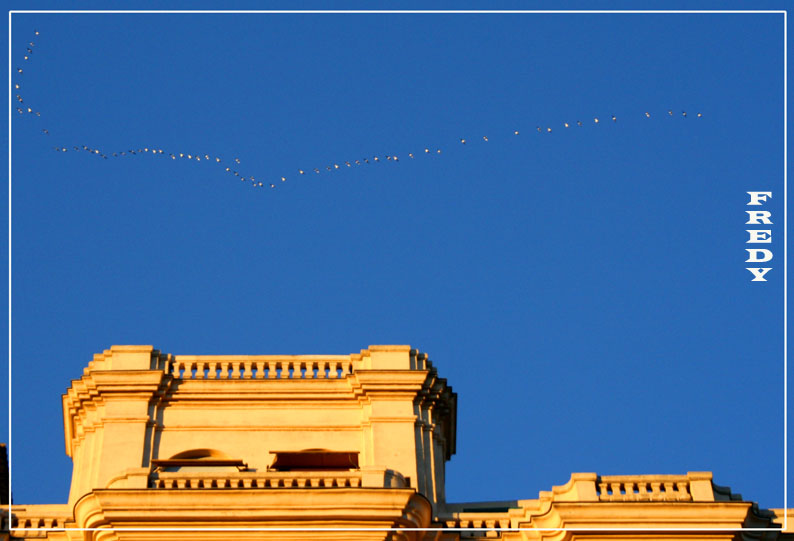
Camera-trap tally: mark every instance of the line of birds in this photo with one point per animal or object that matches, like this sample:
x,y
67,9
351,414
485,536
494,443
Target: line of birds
x,y
17,86
231,168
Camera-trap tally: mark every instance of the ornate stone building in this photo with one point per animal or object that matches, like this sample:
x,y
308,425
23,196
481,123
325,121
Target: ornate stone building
x,y
300,447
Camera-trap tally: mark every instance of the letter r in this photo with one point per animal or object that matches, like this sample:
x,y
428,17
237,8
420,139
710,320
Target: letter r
x,y
758,217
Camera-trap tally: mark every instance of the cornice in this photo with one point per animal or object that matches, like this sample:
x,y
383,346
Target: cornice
x,y
361,507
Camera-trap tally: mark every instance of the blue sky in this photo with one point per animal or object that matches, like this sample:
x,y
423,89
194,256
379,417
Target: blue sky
x,y
583,290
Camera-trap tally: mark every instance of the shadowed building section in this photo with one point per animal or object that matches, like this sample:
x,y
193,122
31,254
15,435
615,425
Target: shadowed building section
x,y
180,446
4,496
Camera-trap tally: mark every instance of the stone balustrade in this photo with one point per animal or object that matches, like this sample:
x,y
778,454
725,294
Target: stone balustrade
x,y
644,488
478,524
366,477
256,367
33,521
205,480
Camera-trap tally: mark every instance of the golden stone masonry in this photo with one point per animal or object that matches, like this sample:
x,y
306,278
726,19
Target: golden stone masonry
x,y
297,447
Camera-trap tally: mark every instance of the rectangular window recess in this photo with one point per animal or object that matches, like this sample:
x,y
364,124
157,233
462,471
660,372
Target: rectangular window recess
x,y
314,460
177,462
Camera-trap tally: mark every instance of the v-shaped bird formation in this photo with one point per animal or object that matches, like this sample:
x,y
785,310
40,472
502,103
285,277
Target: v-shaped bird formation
x,y
231,167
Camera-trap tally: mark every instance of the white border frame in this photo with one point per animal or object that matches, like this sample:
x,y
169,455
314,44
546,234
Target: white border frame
x,y
785,262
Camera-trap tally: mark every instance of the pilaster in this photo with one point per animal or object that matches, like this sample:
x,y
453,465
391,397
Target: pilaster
x,y
108,414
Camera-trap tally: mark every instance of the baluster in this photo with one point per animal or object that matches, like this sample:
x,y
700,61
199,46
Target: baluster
x,y
656,490
629,486
669,491
643,490
615,490
271,370
248,368
603,489
235,370
683,490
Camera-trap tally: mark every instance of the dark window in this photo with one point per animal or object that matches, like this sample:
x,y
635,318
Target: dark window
x,y
315,460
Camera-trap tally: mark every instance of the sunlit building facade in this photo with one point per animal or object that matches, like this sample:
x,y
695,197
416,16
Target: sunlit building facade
x,y
322,447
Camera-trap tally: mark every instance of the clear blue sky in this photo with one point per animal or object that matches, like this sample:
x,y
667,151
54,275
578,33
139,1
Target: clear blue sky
x,y
584,291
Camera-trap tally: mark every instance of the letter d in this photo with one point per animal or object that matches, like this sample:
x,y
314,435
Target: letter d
x,y
754,257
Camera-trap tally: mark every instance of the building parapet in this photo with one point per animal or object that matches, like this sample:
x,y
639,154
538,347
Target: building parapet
x,y
483,521
646,488
368,478
271,367
36,519
590,487
623,500
383,357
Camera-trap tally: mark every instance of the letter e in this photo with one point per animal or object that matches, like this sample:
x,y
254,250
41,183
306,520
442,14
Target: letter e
x,y
757,236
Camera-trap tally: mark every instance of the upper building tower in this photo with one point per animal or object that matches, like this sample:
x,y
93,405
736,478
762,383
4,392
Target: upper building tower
x,y
380,423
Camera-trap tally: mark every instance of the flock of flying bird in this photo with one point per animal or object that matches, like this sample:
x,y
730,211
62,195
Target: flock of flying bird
x,y
231,167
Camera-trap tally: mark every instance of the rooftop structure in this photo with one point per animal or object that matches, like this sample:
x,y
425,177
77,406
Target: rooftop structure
x,y
275,446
